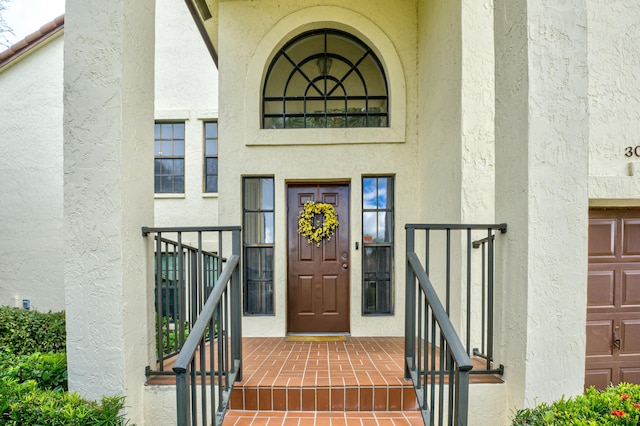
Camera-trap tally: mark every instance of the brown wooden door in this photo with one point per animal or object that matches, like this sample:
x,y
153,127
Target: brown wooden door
x,y
318,277
613,298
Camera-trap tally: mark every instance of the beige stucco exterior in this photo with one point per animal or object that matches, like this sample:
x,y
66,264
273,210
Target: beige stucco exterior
x,y
31,173
533,144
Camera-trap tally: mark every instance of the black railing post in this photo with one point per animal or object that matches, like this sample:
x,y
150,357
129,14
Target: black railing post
x,y
446,358
236,308
410,309
182,399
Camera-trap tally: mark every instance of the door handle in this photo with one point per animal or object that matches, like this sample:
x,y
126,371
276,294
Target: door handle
x,y
616,336
345,266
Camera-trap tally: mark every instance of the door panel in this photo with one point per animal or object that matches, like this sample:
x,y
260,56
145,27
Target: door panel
x,y
613,298
318,276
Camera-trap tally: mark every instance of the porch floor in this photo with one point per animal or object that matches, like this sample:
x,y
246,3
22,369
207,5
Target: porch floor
x,y
356,381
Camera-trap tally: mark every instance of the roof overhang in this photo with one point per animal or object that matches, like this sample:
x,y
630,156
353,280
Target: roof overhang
x,y
205,15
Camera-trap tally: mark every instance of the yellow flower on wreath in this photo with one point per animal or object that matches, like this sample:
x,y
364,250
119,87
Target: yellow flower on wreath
x,y
317,233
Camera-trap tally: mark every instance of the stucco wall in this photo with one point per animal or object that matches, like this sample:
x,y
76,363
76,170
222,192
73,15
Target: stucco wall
x,y
32,265
318,154
541,192
108,197
186,89
614,102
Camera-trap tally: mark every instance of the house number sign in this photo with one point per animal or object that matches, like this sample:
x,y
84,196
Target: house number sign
x,y
632,151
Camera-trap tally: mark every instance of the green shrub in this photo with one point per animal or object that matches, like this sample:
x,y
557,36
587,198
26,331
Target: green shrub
x,y
25,332
25,404
33,375
48,370
617,405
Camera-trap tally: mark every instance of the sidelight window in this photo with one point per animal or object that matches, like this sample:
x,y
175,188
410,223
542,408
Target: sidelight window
x,y
377,245
258,229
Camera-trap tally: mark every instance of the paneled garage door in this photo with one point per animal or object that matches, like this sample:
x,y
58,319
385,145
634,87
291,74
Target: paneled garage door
x,y
613,298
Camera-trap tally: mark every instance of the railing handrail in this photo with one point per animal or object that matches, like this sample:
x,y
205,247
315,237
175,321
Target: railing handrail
x,y
200,327
190,248
147,230
502,227
447,329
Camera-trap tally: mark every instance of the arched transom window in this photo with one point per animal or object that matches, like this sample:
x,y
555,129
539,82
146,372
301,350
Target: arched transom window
x,y
325,78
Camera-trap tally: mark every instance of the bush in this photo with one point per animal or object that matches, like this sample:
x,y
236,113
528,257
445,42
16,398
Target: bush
x,y
617,405
48,370
33,375
25,332
23,403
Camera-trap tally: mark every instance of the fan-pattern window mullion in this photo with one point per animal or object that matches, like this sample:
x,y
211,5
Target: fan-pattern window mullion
x,y
341,84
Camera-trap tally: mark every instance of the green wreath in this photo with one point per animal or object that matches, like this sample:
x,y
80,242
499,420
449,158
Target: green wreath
x,y
317,232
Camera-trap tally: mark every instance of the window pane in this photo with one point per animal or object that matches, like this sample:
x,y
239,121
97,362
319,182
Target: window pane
x,y
267,222
377,294
252,227
212,166
266,199
212,184
167,148
157,187
211,147
156,131
369,226
211,130
178,166
166,131
382,193
178,147
369,193
157,166
178,131
383,232
251,193
167,184
178,184
156,148
258,298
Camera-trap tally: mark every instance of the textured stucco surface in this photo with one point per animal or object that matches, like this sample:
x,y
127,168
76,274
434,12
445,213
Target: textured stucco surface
x,y
186,89
541,192
31,174
336,154
108,196
614,100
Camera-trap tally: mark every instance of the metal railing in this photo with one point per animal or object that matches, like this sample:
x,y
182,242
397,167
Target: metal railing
x,y
209,360
184,275
436,358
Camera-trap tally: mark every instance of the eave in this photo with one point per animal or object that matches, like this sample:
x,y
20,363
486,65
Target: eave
x,y
205,15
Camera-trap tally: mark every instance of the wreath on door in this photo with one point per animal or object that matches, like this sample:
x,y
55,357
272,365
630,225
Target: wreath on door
x,y
317,221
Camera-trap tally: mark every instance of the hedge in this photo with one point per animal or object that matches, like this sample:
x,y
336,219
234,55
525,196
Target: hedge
x,y
27,332
616,405
33,375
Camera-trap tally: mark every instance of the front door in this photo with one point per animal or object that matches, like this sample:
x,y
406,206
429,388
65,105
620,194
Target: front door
x,y
318,275
613,298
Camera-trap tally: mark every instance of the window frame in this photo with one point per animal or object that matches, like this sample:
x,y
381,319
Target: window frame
x,y
350,115
389,245
210,156
173,157
247,246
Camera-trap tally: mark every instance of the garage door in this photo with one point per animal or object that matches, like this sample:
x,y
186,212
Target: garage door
x,y
613,298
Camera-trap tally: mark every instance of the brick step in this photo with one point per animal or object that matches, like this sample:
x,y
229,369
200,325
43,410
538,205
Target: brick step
x,y
322,399
310,418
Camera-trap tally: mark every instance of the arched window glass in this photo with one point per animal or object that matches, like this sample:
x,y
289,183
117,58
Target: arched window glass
x,y
325,79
